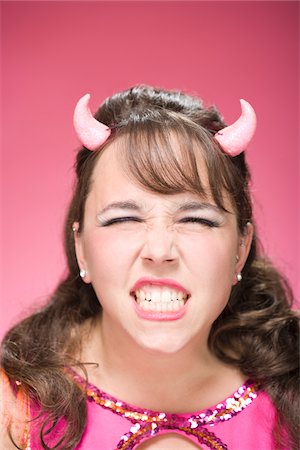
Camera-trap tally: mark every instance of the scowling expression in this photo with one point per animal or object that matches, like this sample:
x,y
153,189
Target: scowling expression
x,y
162,266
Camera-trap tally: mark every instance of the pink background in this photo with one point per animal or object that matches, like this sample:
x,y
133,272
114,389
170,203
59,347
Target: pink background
x,y
54,52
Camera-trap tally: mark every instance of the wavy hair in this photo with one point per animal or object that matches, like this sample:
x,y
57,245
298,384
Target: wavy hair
x,y
257,331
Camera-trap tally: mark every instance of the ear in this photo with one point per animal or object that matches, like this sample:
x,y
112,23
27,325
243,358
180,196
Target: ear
x,y
243,249
79,250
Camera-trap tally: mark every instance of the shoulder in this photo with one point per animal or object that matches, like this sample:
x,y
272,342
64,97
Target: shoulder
x,y
7,401
14,413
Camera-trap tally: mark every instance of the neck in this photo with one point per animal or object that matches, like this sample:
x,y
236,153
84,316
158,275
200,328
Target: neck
x,y
149,378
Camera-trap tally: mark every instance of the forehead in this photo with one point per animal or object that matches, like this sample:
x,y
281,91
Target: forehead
x,y
113,181
114,167
110,178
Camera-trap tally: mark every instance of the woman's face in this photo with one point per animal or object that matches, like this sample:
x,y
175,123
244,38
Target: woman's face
x,y
162,266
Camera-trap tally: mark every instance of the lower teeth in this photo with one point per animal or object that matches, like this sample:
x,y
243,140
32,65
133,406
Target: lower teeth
x,y
161,307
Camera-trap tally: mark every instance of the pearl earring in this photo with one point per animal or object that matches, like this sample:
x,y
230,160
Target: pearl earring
x,y
82,273
239,277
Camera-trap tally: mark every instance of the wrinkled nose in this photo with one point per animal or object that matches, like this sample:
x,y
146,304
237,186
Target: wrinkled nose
x,y
159,246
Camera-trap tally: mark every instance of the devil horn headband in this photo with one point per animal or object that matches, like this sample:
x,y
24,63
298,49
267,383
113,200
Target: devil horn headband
x,y
233,139
90,131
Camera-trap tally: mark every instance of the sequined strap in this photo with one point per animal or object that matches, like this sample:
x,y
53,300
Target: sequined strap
x,y
148,423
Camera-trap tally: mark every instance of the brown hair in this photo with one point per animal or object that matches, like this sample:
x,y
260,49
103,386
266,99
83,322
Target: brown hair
x,y
257,331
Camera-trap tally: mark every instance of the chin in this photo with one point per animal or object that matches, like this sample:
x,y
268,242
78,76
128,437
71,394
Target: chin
x,y
161,345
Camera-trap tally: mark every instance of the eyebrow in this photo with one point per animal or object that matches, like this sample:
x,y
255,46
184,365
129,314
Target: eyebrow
x,y
192,206
185,206
129,204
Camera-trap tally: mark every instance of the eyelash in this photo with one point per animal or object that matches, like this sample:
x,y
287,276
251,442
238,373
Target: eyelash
x,y
207,222
116,220
201,221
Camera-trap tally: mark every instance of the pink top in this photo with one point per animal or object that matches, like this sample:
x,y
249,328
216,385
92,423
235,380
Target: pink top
x,y
243,421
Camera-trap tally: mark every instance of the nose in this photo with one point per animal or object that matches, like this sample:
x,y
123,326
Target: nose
x,y
159,246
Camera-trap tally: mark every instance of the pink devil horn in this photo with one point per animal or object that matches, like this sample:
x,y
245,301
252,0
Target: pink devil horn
x,y
90,132
235,138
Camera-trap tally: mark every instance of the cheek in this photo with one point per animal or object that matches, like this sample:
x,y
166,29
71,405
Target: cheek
x,y
212,256
108,255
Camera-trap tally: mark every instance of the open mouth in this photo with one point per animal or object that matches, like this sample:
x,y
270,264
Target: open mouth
x,y
159,298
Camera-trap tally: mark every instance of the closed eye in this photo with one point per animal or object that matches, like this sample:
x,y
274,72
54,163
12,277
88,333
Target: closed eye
x,y
200,220
116,220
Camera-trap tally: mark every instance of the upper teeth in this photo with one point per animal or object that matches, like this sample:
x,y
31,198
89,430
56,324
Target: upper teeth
x,y
159,294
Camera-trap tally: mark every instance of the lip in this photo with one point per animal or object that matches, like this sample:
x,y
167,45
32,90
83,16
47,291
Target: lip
x,y
168,282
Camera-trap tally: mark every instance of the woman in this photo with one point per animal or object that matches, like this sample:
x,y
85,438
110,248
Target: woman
x,y
168,307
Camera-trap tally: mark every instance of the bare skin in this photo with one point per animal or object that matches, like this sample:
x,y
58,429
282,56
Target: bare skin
x,y
150,382
168,442
8,410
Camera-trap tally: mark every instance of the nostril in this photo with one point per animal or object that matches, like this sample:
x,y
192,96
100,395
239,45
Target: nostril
x,y
157,260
